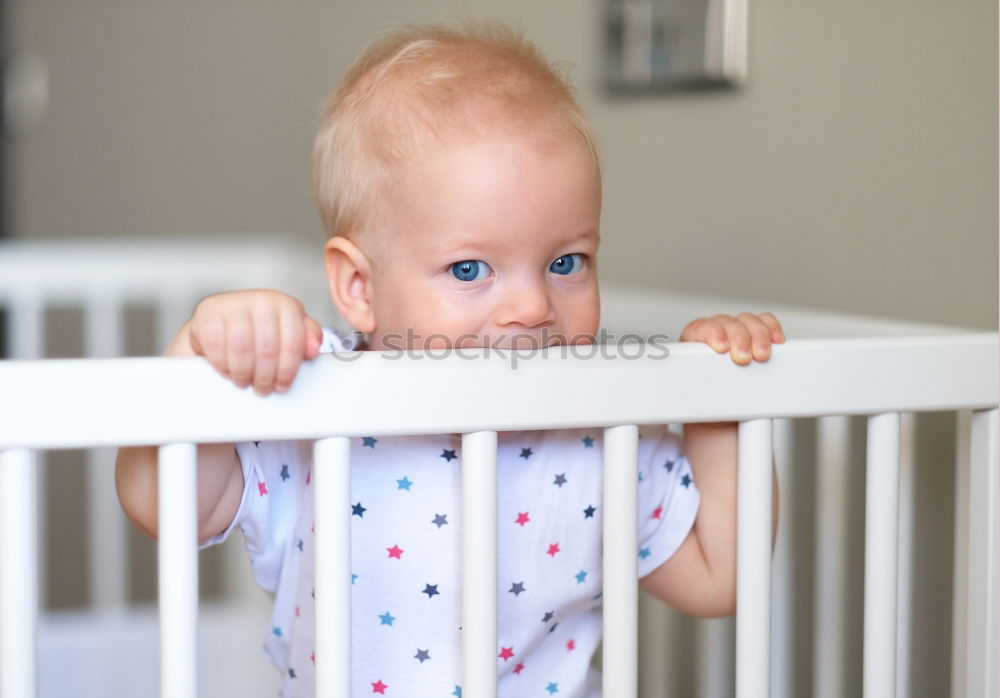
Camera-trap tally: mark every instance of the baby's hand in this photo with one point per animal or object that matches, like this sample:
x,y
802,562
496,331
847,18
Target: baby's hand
x,y
256,338
745,336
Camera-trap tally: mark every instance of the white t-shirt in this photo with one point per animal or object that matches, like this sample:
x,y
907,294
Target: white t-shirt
x,y
405,535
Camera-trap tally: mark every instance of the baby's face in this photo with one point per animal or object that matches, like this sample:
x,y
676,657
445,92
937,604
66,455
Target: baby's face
x,y
494,242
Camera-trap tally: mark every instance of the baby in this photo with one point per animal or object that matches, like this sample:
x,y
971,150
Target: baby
x,y
460,185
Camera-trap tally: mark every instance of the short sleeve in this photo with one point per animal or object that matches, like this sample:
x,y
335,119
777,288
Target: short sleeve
x,y
668,497
276,476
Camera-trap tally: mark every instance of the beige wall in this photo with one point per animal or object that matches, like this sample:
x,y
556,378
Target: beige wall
x,y
856,170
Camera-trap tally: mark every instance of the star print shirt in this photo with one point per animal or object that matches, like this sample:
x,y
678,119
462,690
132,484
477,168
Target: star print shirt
x,y
405,535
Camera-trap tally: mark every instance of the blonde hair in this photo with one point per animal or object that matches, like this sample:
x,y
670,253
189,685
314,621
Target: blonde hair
x,y
423,86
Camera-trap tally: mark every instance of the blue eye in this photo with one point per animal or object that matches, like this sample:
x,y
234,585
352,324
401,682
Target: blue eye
x,y
470,270
567,264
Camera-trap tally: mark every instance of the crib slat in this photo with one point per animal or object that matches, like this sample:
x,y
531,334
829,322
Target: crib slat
x,y
960,560
981,642
178,570
479,564
881,536
833,460
783,565
753,560
26,330
904,569
105,339
621,561
18,574
332,480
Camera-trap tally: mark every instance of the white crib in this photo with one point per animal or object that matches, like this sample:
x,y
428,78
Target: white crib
x,y
900,367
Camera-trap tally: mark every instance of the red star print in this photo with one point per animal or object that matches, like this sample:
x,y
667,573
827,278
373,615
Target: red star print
x,y
570,646
262,488
522,519
553,549
313,657
308,477
379,687
518,668
657,512
297,615
506,653
396,552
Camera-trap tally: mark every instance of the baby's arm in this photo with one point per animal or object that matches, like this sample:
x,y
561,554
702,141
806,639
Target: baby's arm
x,y
700,578
256,338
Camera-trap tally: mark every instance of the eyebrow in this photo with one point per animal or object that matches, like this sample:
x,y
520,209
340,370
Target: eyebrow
x,y
470,242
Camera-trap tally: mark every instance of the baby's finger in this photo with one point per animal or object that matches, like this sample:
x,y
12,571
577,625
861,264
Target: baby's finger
x,y
314,338
239,348
208,339
739,339
267,350
293,344
707,330
760,336
777,332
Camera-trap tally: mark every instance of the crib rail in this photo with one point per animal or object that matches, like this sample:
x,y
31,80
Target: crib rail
x,y
148,400
71,403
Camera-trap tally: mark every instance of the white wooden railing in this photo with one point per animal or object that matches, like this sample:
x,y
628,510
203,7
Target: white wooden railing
x,y
71,403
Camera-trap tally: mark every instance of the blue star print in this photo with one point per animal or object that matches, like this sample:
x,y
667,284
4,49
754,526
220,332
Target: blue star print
x,y
422,655
448,454
430,590
548,616
277,631
516,588
686,480
457,692
581,576
560,479
587,442
386,619
588,513
368,441
644,553
403,484
358,510
552,688
525,453
284,472
440,520
669,465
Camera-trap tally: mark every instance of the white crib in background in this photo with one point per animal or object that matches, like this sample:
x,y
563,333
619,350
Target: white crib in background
x,y
867,366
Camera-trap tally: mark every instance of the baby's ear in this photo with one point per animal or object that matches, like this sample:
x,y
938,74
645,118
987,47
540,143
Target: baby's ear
x,y
348,274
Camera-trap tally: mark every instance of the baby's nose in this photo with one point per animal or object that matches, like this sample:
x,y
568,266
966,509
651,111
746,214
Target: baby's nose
x,y
526,304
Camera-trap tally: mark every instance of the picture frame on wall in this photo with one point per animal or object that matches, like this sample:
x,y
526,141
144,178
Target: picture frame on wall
x,y
663,45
